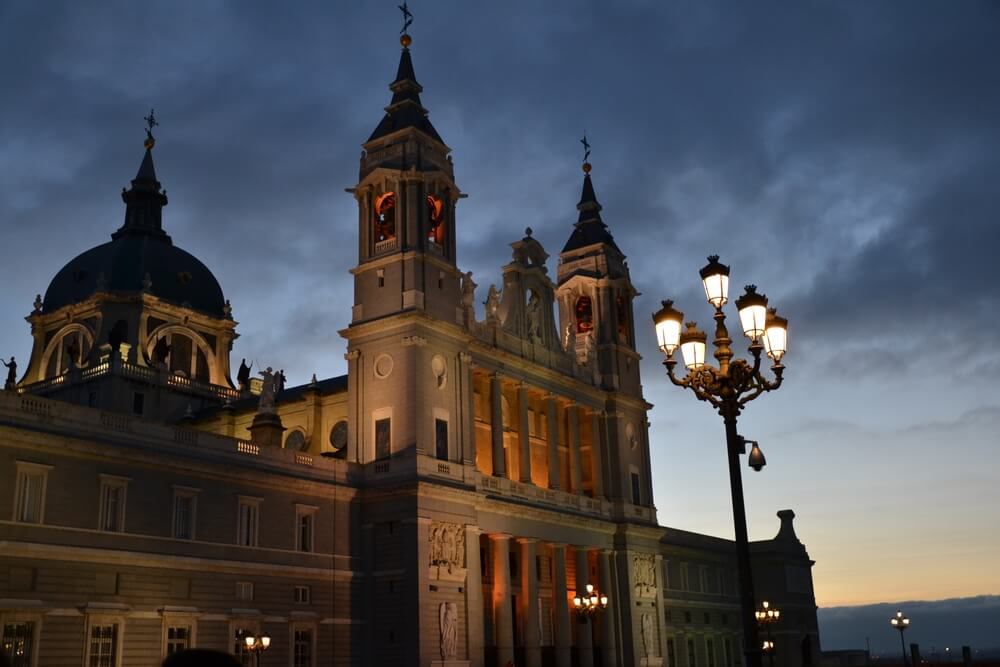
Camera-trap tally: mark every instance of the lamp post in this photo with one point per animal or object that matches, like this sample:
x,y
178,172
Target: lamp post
x,y
589,604
256,645
901,622
728,389
766,616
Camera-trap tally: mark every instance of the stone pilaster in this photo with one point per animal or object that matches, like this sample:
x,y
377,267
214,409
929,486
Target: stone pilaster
x,y
468,408
473,597
553,441
607,587
560,605
596,455
573,435
523,437
529,603
496,411
503,628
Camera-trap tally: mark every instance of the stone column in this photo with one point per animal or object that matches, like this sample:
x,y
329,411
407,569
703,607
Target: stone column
x,y
573,435
607,587
596,455
467,405
499,460
553,441
523,433
473,597
503,626
661,619
529,603
585,630
560,605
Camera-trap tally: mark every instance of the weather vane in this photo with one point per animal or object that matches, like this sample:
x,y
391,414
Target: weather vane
x,y
407,17
150,124
586,147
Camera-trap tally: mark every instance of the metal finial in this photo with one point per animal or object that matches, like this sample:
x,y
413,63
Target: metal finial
x,y
151,122
586,147
407,18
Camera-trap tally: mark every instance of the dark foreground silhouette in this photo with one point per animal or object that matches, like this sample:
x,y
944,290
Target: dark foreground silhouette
x,y
201,657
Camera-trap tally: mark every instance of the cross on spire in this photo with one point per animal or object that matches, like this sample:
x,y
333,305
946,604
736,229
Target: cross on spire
x,y
586,147
407,17
151,122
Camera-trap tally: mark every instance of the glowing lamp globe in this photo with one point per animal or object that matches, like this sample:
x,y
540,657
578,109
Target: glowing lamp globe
x,y
693,347
667,322
753,313
775,335
715,279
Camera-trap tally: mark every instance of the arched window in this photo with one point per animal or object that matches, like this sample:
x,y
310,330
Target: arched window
x,y
435,215
70,349
182,354
584,315
385,220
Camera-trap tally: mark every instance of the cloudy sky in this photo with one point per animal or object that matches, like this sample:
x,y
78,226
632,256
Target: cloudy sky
x,y
845,156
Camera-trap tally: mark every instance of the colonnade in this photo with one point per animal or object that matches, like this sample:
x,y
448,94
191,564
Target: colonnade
x,y
540,438
530,585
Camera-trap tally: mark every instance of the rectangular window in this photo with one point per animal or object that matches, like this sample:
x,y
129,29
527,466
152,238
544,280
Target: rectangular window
x,y
685,583
382,438
687,617
244,590
708,618
112,517
304,527
302,595
302,647
671,652
29,492
102,647
636,497
441,438
248,521
710,652
185,502
692,660
178,638
138,403
17,643
703,579
727,646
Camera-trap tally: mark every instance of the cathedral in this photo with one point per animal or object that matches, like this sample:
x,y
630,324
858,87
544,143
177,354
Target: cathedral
x,y
473,492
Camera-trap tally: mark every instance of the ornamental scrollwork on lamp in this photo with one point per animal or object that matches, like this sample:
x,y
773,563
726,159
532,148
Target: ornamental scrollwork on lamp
x,y
644,571
447,545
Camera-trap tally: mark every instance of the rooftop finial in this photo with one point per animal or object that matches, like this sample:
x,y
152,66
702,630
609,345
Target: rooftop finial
x,y
150,124
405,39
586,153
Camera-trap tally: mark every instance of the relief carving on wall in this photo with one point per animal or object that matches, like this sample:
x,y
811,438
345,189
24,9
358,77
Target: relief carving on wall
x,y
447,545
644,569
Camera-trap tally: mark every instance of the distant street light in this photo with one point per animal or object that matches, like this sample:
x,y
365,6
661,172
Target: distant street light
x,y
766,616
728,388
256,645
901,622
590,603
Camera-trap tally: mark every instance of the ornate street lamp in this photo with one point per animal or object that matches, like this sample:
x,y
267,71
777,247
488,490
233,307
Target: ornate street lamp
x,y
766,616
900,622
728,388
256,645
589,604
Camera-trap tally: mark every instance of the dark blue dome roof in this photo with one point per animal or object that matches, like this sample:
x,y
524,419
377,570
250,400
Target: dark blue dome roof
x,y
176,275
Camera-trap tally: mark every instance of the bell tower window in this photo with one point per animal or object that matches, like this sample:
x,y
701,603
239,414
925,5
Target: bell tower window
x,y
584,315
622,317
435,214
385,221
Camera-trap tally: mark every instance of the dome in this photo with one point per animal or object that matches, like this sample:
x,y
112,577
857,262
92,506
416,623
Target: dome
x,y
175,275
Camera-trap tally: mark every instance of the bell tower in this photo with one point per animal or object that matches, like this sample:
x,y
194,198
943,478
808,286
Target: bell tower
x,y
595,295
406,196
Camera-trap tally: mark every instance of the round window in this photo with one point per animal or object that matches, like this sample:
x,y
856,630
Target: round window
x,y
296,441
338,435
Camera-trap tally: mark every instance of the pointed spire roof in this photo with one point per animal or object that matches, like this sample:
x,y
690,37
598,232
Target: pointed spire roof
x,y
589,228
145,200
405,109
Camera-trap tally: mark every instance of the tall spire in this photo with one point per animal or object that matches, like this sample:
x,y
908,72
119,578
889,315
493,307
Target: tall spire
x,y
145,200
405,109
589,228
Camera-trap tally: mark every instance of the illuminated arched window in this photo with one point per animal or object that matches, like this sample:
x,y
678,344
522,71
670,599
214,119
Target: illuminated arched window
x,y
385,219
435,216
181,354
584,315
70,349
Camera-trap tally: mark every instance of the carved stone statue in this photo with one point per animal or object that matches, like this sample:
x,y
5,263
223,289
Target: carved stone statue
x,y
448,621
11,383
279,381
535,318
147,282
569,338
266,404
644,569
38,304
492,303
161,351
243,375
447,545
468,290
102,282
648,636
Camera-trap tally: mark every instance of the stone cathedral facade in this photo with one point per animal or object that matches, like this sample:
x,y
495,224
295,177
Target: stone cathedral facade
x,y
441,505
